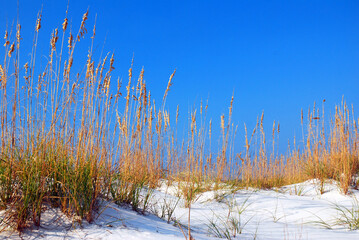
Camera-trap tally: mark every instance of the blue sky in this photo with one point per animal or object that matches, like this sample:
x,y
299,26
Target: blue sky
x,y
276,56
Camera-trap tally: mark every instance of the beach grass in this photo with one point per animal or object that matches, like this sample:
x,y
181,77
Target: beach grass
x,y
72,138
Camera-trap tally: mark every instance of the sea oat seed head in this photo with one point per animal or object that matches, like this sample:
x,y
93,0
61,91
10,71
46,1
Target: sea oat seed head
x,y
64,24
94,31
273,130
26,66
69,65
12,48
169,85
1,73
18,37
38,23
54,39
278,128
7,42
82,27
71,38
112,60
222,122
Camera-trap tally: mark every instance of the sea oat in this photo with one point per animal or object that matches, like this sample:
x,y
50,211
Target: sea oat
x,y
7,42
2,73
169,84
18,36
38,22
12,48
54,39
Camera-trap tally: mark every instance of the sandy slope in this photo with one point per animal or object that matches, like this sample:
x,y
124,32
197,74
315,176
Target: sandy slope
x,y
291,212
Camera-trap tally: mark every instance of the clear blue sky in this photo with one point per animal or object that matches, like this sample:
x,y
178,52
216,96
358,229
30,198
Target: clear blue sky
x,y
276,56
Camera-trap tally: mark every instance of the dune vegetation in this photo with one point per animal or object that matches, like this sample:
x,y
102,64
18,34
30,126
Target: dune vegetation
x,y
71,138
